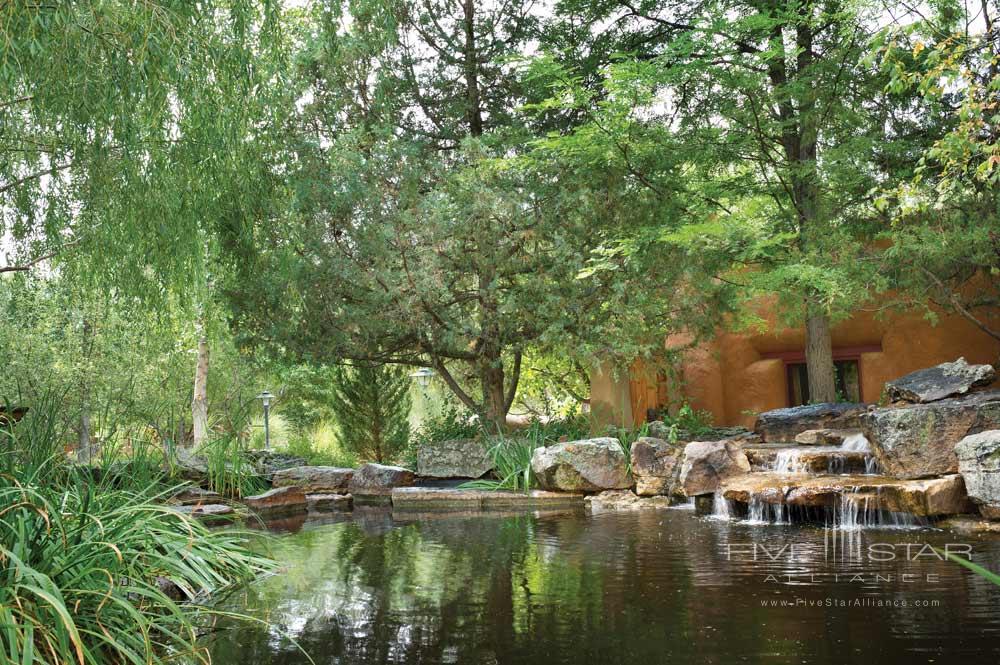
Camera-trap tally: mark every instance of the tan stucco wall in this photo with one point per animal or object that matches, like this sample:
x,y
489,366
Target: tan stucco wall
x,y
731,379
610,401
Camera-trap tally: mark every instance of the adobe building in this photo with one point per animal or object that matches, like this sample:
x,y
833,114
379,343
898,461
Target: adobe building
x,y
736,376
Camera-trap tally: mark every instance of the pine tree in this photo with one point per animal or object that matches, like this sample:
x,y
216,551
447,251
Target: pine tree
x,y
371,405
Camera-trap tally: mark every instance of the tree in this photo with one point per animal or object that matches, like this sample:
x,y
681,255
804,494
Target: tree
x,y
416,238
778,113
371,406
134,133
944,236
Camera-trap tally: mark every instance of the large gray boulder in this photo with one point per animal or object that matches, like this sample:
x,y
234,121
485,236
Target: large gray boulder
x,y
918,440
315,479
979,463
786,424
454,458
707,463
589,465
379,479
940,381
656,466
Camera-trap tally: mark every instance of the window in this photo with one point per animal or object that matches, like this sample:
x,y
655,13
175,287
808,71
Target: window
x,y
846,374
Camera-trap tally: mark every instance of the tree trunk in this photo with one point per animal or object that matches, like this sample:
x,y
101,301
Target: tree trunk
x,y
819,357
473,111
199,404
494,398
84,450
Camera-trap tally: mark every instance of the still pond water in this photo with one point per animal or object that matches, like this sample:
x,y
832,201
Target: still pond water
x,y
660,586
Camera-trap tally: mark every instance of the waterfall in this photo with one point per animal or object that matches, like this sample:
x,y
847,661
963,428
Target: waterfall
x,y
856,443
789,461
857,511
720,507
762,512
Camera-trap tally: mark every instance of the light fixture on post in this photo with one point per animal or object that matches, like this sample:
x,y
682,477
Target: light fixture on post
x,y
423,376
266,397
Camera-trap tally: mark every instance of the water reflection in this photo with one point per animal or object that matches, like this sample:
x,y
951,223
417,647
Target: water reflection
x,y
652,587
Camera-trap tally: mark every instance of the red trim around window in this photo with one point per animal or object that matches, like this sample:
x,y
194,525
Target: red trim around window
x,y
839,353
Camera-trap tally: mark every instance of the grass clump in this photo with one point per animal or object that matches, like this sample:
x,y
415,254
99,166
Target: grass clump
x,y
92,568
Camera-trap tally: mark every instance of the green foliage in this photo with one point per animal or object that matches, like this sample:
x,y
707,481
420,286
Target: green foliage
x,y
306,395
321,446
229,471
87,563
511,465
371,405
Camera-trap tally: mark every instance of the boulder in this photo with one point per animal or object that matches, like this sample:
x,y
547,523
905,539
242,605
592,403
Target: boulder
x,y
824,437
315,479
707,463
589,465
786,424
328,503
656,466
194,496
926,498
267,462
612,500
918,440
454,458
278,500
189,466
940,381
660,430
207,511
979,463
379,479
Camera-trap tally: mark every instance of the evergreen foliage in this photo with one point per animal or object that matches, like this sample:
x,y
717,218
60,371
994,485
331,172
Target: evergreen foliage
x,y
371,405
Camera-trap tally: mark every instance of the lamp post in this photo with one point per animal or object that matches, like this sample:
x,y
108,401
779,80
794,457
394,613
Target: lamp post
x,y
265,397
423,376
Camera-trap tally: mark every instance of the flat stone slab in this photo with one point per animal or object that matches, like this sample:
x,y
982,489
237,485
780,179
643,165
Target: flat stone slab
x,y
434,498
824,437
279,499
969,525
315,479
378,480
786,424
329,503
940,381
208,512
615,500
926,497
192,496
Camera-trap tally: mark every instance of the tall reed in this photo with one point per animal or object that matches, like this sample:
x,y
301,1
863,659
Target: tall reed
x,y
92,568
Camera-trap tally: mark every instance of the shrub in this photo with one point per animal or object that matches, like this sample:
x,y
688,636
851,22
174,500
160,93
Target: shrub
x,y
371,406
511,465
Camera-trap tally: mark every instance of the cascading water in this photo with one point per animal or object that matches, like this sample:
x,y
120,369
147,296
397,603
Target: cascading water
x,y
858,443
762,512
788,461
720,507
857,511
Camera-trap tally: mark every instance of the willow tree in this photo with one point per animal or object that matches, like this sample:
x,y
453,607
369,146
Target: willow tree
x,y
133,133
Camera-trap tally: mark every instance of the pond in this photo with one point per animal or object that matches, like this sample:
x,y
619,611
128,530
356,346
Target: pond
x,y
656,586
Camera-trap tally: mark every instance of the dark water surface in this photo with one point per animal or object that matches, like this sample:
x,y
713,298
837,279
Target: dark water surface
x,y
661,586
